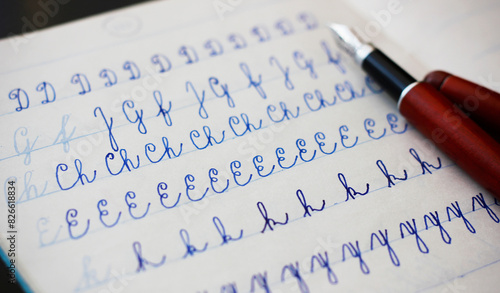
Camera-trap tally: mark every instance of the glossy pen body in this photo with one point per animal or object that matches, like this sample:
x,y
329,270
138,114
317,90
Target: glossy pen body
x,y
430,112
479,103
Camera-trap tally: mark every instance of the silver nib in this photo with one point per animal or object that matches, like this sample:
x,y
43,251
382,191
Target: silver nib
x,y
350,42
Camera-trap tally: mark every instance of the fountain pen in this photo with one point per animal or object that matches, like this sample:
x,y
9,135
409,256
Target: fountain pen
x,y
430,112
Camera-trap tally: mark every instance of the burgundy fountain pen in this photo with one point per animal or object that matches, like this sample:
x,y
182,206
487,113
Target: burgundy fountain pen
x,y
431,113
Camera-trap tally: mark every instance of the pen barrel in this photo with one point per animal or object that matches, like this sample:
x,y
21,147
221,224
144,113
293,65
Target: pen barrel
x,y
482,104
462,140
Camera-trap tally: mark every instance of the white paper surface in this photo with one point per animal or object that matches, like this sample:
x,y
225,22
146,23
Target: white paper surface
x,y
109,229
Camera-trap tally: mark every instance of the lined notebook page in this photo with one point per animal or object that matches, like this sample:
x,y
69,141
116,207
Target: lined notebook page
x,y
214,147
458,36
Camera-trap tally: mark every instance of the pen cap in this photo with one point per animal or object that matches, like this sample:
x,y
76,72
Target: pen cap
x,y
455,134
482,104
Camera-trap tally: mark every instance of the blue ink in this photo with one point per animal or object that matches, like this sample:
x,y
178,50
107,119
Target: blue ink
x,y
162,111
348,88
323,262
295,272
104,213
284,26
300,143
479,198
343,137
127,163
48,90
110,76
30,191
258,159
252,82
133,205
44,221
189,53
269,222
211,174
425,166
138,116
373,86
371,123
72,223
355,252
190,249
457,211
287,114
307,208
390,177
143,261
78,166
190,186
236,165
162,186
112,140
322,103
261,33
162,61
82,80
309,20
412,229
351,193
385,242
434,219
335,60
214,47
130,66
393,122
281,151
321,136
213,81
89,278
151,148
20,95
222,232
238,41
284,70
248,127
304,64
201,100
261,280
28,148
229,288
208,135
62,137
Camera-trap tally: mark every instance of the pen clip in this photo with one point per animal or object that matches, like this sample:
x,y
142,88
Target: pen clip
x,y
481,104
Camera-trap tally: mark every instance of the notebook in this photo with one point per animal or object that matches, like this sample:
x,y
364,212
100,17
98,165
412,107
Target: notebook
x,y
230,146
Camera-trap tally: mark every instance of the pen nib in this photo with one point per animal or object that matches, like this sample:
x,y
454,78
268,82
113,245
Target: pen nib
x,y
350,42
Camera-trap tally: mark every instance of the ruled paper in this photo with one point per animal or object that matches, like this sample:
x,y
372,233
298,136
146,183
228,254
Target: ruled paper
x,y
227,148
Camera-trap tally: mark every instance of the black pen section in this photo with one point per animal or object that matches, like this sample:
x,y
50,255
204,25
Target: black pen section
x,y
387,73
